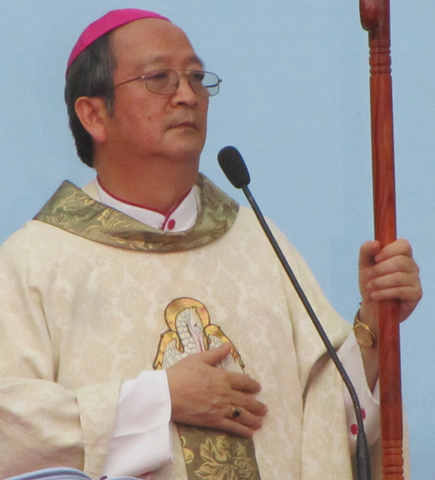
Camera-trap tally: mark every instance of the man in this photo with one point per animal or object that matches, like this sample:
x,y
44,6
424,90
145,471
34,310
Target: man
x,y
148,305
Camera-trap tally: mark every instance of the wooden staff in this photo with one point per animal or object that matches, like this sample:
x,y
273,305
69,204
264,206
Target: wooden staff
x,y
375,18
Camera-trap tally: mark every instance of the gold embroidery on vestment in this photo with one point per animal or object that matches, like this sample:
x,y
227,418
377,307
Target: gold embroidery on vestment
x,y
209,454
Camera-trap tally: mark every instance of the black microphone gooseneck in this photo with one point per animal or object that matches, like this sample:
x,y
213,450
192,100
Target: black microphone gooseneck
x,y
237,173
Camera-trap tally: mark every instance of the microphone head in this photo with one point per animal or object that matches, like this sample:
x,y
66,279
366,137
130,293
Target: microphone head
x,y
234,167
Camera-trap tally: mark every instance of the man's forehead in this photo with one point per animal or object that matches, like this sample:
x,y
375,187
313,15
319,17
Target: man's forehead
x,y
108,22
153,43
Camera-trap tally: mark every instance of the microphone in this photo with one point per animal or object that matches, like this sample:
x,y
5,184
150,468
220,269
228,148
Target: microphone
x,y
234,167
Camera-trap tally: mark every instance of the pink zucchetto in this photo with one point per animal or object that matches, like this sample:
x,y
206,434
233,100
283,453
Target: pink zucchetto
x,y
108,22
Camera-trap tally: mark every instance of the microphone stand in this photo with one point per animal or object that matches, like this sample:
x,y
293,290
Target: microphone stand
x,y
362,450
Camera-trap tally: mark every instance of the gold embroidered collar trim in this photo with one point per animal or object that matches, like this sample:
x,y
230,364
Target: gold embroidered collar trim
x,y
73,211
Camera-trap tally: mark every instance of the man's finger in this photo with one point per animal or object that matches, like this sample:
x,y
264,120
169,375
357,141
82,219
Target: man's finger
x,y
214,355
243,383
367,253
246,418
398,247
250,404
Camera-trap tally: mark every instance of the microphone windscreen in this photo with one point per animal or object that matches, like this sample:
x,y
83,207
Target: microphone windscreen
x,y
234,167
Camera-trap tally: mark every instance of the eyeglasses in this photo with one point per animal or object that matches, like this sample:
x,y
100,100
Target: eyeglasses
x,y
166,82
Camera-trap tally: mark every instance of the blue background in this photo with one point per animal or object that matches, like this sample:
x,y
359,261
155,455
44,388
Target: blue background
x,y
295,101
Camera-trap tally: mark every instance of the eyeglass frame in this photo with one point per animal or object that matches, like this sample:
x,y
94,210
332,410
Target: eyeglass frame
x,y
185,73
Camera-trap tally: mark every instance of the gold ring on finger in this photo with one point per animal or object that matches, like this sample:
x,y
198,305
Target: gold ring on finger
x,y
235,412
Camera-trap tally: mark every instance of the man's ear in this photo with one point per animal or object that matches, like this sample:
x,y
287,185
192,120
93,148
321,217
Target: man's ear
x,y
92,113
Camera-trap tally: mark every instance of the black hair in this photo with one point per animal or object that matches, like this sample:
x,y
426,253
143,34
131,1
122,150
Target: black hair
x,y
90,75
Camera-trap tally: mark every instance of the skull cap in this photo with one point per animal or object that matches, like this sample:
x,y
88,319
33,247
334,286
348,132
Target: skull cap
x,y
108,22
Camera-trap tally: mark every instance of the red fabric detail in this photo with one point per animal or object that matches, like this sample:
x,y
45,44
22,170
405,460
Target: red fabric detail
x,y
165,214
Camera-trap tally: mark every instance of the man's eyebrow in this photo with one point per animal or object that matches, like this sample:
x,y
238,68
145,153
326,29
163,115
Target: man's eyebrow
x,y
196,59
164,58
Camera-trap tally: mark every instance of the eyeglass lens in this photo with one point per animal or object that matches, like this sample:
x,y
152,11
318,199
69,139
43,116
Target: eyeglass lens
x,y
166,82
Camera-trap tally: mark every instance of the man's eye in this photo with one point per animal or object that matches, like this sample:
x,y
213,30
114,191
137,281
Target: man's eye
x,y
197,76
157,76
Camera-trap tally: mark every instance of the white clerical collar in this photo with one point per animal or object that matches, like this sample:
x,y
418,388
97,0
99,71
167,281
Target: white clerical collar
x,y
180,218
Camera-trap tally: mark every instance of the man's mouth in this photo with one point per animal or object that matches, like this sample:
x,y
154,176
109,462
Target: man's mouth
x,y
185,125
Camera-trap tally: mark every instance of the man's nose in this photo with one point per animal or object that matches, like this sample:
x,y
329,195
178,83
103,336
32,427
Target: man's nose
x,y
185,92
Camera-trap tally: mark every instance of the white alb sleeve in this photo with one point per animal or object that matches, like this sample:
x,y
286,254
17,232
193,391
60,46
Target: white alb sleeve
x,y
142,439
352,362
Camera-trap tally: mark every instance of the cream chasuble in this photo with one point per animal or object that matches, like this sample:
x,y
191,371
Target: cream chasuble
x,y
90,297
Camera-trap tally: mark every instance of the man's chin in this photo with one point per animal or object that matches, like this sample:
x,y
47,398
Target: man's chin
x,y
186,148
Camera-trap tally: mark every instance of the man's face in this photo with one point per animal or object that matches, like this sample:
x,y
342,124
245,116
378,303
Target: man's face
x,y
146,125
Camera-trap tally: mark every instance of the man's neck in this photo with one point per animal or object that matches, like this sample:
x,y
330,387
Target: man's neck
x,y
157,187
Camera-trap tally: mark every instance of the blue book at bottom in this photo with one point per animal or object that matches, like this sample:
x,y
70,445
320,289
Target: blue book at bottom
x,y
61,473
